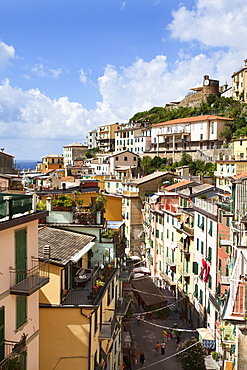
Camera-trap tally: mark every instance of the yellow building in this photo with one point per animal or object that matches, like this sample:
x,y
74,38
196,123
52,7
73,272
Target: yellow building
x,y
20,280
239,83
106,137
79,326
51,162
231,165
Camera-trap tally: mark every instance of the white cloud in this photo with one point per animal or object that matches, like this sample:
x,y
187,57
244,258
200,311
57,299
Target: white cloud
x,y
41,71
6,54
123,5
83,77
214,23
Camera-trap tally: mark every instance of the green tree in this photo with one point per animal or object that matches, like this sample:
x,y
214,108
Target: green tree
x,y
193,357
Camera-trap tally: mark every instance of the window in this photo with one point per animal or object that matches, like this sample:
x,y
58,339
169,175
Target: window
x,y
210,231
134,159
202,247
210,282
167,219
109,184
167,233
220,216
195,268
209,258
125,159
197,244
201,136
196,291
212,128
161,236
157,234
201,297
228,221
116,158
172,236
198,220
21,310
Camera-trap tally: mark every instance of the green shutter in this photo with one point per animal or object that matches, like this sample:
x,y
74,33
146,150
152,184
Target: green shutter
x,y
21,310
21,254
196,291
195,268
2,333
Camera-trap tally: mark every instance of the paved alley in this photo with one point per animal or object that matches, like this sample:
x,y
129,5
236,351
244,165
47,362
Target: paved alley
x,y
147,335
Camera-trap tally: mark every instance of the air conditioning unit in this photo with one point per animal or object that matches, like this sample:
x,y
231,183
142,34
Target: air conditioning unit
x,y
120,302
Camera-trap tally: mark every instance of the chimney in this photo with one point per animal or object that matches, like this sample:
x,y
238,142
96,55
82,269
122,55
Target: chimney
x,y
48,204
47,251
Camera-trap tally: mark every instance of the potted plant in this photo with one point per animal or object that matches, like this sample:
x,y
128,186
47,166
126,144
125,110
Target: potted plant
x,y
108,234
62,203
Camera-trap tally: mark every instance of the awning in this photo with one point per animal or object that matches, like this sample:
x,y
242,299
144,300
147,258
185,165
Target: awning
x,y
142,269
81,253
206,338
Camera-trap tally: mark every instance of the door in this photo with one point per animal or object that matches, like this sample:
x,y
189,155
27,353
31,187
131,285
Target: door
x,y
1,333
21,254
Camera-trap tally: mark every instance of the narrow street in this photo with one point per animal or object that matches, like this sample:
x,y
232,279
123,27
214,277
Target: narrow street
x,y
147,335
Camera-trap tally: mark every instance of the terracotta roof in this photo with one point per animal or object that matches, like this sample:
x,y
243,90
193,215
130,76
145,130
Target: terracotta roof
x,y
192,119
178,185
239,176
150,177
64,244
67,178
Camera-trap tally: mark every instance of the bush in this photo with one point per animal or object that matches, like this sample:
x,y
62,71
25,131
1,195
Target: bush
x,y
193,358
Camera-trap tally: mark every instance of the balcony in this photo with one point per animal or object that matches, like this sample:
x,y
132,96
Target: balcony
x,y
15,205
122,305
170,262
108,328
188,230
14,355
173,208
27,282
88,290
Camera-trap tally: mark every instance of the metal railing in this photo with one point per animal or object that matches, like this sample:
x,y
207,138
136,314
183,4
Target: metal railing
x,y
14,354
13,204
26,282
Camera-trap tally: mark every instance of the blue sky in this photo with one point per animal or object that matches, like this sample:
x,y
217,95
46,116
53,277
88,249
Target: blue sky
x,y
71,65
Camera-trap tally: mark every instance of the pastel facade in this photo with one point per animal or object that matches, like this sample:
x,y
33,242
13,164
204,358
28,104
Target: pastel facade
x,y
21,278
187,134
239,83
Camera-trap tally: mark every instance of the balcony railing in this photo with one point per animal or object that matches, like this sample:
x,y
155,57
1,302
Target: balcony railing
x,y
26,282
170,262
108,328
14,205
14,355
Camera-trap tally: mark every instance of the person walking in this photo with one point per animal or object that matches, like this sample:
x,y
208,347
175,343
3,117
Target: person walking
x,y
142,320
142,358
138,320
163,347
133,356
157,349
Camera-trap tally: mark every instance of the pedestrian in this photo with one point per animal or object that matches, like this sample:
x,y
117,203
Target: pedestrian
x,y
142,358
138,320
163,347
153,324
133,356
142,320
169,335
165,335
157,349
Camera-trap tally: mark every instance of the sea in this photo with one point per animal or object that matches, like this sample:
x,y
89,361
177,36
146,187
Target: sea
x,y
26,164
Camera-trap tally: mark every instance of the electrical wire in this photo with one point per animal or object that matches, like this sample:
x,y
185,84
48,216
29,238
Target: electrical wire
x,y
167,358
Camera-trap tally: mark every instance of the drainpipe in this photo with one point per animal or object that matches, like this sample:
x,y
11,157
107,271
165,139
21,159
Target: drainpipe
x,y
89,317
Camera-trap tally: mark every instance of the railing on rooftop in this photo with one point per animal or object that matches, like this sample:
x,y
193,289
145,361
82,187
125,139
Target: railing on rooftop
x,y
14,205
26,282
